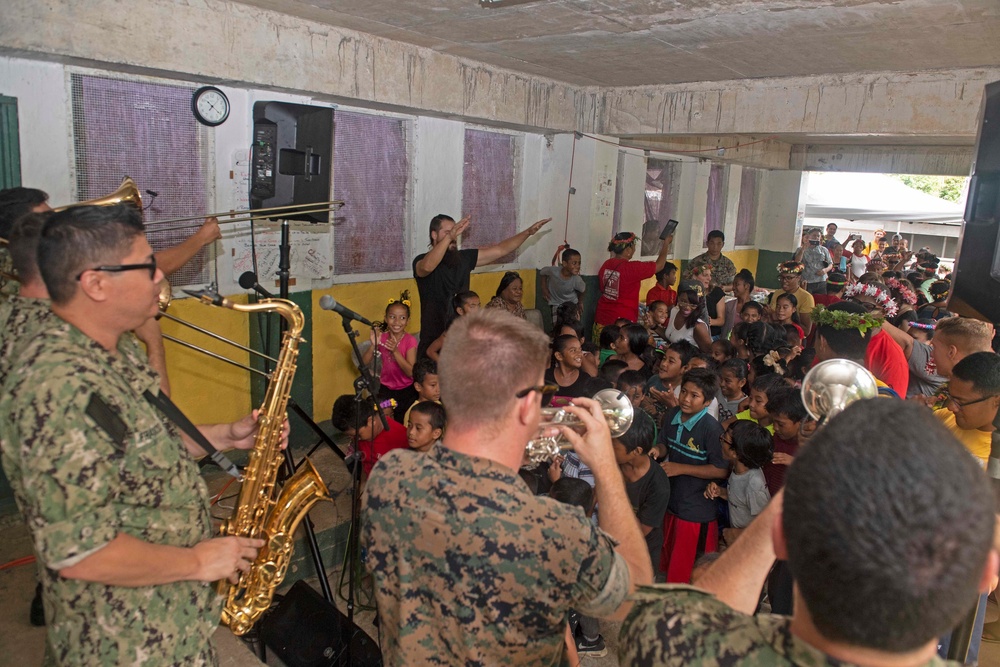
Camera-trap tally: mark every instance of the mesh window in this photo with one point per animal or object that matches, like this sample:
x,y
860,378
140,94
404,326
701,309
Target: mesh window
x,y
489,189
663,186
371,173
132,127
746,216
715,211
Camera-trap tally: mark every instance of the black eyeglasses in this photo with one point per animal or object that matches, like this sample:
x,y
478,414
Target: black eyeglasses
x,y
966,404
543,389
547,391
119,268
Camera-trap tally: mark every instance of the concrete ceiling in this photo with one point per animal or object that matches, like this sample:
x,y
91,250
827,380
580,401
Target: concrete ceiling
x,y
648,42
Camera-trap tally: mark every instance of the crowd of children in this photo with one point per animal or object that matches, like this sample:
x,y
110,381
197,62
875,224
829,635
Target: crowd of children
x,y
718,419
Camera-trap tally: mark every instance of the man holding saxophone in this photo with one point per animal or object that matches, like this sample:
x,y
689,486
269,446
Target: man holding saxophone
x,y
109,489
469,566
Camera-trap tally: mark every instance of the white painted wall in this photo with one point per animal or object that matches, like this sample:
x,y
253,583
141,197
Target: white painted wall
x,y
44,125
436,161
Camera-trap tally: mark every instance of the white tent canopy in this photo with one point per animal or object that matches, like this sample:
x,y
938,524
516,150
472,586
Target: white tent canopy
x,y
851,196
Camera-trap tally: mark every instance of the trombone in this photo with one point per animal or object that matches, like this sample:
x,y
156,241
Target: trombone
x,y
128,193
164,302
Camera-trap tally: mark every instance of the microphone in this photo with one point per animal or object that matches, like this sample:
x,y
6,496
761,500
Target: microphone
x,y
248,280
327,302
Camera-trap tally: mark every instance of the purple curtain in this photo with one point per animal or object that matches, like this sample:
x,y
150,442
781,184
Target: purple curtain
x,y
370,174
746,216
662,187
146,131
488,190
715,211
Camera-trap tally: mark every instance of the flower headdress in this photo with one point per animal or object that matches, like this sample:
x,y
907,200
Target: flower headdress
x,y
792,268
621,241
404,298
773,360
939,290
883,297
842,320
905,292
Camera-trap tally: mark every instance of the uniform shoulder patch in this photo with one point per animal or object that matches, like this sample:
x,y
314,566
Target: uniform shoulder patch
x,y
107,418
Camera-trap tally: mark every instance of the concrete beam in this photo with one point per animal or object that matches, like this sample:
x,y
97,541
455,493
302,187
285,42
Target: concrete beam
x,y
243,46
935,160
749,151
230,43
913,104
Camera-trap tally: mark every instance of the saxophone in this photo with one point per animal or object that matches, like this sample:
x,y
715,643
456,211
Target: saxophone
x,y
264,512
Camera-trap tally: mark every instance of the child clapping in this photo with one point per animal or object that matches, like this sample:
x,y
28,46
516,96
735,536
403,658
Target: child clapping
x,y
747,446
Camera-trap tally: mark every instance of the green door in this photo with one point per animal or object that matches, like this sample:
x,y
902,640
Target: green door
x,y
10,149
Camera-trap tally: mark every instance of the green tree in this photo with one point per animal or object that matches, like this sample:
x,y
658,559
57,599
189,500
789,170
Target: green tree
x,y
950,188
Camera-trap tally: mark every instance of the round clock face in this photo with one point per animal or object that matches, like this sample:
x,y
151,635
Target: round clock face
x,y
210,106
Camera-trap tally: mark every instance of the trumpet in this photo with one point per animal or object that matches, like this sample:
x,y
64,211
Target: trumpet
x,y
545,446
834,384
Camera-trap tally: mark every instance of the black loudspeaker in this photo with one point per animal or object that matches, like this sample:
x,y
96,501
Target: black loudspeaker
x,y
304,630
975,288
291,157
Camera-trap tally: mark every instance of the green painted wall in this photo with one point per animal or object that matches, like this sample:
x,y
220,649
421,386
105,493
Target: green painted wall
x,y
267,327
767,267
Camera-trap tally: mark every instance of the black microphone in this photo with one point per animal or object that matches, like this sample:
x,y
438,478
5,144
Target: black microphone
x,y
249,281
327,302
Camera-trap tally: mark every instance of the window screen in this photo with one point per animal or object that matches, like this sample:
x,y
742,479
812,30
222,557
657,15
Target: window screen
x,y
371,174
489,189
663,185
746,216
715,211
131,127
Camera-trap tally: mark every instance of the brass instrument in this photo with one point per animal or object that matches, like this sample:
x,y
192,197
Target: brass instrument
x,y
127,193
166,296
834,384
262,511
545,446
272,213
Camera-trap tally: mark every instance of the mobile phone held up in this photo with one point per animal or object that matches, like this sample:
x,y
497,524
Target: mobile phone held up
x,y
668,229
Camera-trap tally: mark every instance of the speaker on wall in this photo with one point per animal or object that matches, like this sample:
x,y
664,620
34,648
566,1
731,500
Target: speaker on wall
x,y
304,630
975,290
291,156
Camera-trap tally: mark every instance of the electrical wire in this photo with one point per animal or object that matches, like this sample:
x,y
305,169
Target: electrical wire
x,y
699,150
17,562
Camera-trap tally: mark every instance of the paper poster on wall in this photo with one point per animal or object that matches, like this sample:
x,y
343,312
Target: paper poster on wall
x,y
311,256
239,180
604,197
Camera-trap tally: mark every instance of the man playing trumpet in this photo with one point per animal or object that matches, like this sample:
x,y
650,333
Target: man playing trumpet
x,y
469,566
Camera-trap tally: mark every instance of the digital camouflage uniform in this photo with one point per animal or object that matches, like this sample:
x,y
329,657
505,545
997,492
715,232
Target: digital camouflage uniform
x,y
21,320
79,485
8,287
471,569
684,626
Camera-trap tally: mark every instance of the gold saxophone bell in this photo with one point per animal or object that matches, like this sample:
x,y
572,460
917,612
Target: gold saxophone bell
x,y
127,193
545,446
834,384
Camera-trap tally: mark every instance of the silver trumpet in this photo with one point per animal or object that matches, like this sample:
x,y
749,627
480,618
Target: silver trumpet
x,y
546,445
834,384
